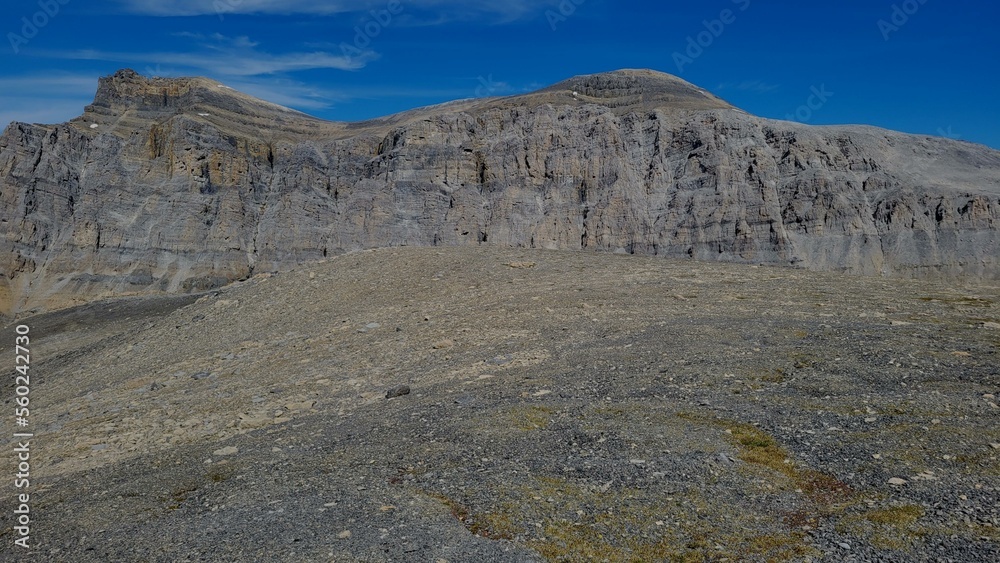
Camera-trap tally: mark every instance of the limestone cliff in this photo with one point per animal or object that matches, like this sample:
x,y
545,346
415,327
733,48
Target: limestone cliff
x,y
177,185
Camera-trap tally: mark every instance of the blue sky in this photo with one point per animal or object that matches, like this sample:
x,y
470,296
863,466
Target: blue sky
x,y
920,66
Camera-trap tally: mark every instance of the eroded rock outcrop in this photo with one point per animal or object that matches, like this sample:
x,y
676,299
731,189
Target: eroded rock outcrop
x,y
183,184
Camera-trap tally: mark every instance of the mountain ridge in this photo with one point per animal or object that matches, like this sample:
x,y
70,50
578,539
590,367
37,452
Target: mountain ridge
x,y
176,185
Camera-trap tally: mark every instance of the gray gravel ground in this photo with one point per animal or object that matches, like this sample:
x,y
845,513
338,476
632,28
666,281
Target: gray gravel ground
x,y
563,407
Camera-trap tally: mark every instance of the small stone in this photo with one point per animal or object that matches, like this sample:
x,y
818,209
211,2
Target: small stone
x,y
372,326
995,446
443,344
397,391
465,400
500,360
344,535
899,323
228,450
844,545
300,406
897,481
992,326
877,456
936,421
871,419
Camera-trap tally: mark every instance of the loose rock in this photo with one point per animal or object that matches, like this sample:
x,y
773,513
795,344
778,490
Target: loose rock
x,y
397,391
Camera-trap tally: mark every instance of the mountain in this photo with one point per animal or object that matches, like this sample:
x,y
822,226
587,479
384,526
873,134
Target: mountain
x,y
178,185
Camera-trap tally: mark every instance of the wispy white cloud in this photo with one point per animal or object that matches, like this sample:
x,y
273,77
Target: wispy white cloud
x,y
55,83
219,55
183,8
450,9
291,93
45,98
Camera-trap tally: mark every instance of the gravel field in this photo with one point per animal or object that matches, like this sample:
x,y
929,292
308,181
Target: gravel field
x,y
486,404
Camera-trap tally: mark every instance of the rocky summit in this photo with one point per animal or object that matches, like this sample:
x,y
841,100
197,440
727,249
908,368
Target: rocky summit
x,y
180,185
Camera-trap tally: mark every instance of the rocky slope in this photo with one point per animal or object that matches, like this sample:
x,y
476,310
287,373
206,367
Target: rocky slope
x,y
563,406
176,185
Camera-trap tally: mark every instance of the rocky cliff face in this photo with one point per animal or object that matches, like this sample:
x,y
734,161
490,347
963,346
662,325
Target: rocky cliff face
x,y
184,184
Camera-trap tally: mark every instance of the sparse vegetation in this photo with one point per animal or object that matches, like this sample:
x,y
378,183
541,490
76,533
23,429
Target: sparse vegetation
x,y
892,527
530,418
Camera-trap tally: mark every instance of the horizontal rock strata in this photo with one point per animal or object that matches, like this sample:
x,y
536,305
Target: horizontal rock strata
x,y
176,185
